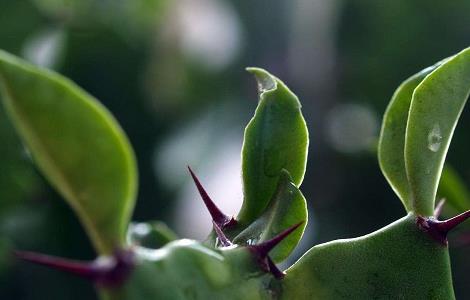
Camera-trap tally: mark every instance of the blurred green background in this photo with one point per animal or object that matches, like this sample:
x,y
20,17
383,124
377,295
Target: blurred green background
x,y
172,72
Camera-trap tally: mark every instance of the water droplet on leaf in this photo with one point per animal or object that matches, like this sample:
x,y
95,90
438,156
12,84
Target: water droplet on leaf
x,y
434,138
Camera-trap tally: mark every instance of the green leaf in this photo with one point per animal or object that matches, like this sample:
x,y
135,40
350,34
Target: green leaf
x,y
392,137
77,145
287,208
399,261
276,138
454,190
152,235
435,109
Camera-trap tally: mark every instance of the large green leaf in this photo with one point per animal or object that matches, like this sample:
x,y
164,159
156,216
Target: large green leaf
x,y
435,109
77,145
392,137
399,261
287,208
276,138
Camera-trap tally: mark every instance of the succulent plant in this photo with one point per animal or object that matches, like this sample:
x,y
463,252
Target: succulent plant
x,y
86,157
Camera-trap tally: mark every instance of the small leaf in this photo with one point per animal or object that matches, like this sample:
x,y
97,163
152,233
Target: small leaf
x,y
392,137
454,190
77,145
435,109
276,138
288,207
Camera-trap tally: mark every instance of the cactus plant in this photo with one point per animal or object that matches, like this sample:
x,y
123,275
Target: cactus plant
x,y
81,150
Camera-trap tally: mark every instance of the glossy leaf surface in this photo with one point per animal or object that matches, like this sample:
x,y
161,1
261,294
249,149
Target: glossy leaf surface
x,y
287,208
276,138
77,145
435,109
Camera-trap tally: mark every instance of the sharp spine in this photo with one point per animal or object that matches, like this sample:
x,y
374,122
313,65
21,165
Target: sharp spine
x,y
262,249
105,271
221,219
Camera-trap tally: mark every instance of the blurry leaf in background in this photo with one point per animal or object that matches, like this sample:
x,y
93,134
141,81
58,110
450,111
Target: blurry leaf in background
x,y
45,48
351,128
133,17
208,32
454,190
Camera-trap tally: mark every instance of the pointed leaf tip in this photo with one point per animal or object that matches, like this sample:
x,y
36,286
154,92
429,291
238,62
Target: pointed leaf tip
x,y
266,81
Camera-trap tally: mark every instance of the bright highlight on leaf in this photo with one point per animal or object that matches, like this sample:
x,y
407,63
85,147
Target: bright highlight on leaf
x,y
77,145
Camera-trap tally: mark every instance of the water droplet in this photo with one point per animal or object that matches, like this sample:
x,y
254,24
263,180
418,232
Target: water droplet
x,y
434,138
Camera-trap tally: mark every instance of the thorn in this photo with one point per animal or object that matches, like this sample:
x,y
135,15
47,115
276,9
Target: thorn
x,y
104,271
220,234
221,219
449,224
439,206
439,229
278,274
262,249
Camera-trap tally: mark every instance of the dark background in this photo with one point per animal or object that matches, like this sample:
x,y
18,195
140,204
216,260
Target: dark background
x,y
172,72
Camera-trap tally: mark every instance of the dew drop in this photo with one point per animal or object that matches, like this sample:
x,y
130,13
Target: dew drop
x,y
434,138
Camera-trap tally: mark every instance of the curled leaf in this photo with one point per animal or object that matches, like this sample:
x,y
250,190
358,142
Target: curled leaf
x,y
276,138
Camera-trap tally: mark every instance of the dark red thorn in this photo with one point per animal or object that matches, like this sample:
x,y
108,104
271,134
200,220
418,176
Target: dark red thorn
x,y
109,271
221,219
438,209
278,274
262,249
449,224
221,236
439,229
